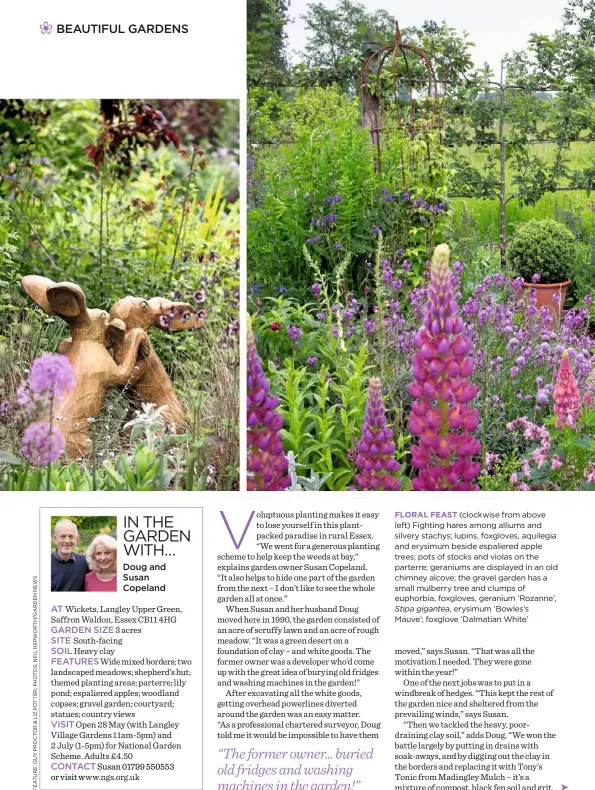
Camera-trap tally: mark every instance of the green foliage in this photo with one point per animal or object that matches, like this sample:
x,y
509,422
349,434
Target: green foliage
x,y
266,59
323,415
545,247
323,187
149,220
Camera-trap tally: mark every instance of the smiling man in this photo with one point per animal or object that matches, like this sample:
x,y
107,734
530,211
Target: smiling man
x,y
68,569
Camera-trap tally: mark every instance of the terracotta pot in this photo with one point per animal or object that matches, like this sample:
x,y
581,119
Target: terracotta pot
x,y
545,294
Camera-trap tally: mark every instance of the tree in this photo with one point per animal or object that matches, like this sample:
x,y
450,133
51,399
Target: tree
x,y
333,53
267,60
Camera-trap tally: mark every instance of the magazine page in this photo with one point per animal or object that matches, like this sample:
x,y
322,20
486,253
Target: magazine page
x,y
297,364
256,642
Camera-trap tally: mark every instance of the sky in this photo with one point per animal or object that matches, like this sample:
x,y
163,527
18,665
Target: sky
x,y
495,28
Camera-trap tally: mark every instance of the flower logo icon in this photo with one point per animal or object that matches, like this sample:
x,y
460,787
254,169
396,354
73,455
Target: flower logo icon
x,y
46,27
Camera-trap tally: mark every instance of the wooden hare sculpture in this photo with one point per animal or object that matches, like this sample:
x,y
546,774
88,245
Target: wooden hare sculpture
x,y
95,370
151,384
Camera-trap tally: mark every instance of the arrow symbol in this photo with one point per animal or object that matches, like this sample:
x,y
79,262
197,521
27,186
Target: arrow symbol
x,y
564,787
238,543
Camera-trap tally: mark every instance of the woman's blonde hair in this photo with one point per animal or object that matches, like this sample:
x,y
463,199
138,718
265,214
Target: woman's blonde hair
x,y
109,543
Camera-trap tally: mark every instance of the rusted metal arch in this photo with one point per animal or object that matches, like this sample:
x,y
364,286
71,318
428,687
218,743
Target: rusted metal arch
x,y
371,95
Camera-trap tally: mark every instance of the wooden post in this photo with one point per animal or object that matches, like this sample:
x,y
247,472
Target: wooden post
x,y
369,98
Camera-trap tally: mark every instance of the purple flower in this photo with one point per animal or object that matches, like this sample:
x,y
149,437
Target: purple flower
x,y
338,246
266,461
312,361
441,415
406,265
200,296
375,449
164,322
294,333
282,289
51,375
369,325
377,228
42,443
316,288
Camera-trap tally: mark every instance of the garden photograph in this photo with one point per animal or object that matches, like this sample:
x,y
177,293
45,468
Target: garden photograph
x,y
119,295
421,249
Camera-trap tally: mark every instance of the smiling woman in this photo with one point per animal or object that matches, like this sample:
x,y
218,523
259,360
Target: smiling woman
x,y
102,558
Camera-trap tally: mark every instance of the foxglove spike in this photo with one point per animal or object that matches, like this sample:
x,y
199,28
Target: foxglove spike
x,y
566,396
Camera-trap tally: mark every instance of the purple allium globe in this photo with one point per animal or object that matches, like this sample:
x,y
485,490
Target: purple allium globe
x,y
51,375
267,464
375,449
42,443
440,414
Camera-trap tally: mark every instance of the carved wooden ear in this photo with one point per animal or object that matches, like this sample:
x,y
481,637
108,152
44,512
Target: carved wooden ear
x,y
68,301
116,329
36,287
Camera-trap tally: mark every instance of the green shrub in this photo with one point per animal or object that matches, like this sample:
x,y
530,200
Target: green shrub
x,y
543,247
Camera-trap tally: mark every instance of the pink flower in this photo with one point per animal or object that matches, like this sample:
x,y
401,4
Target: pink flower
x,y
441,415
566,398
375,449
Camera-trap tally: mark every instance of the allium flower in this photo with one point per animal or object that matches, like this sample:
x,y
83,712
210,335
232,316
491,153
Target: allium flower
x,y
441,415
42,443
312,361
375,449
51,375
566,397
266,461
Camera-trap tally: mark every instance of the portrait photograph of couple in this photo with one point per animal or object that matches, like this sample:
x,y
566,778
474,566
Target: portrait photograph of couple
x,y
84,554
